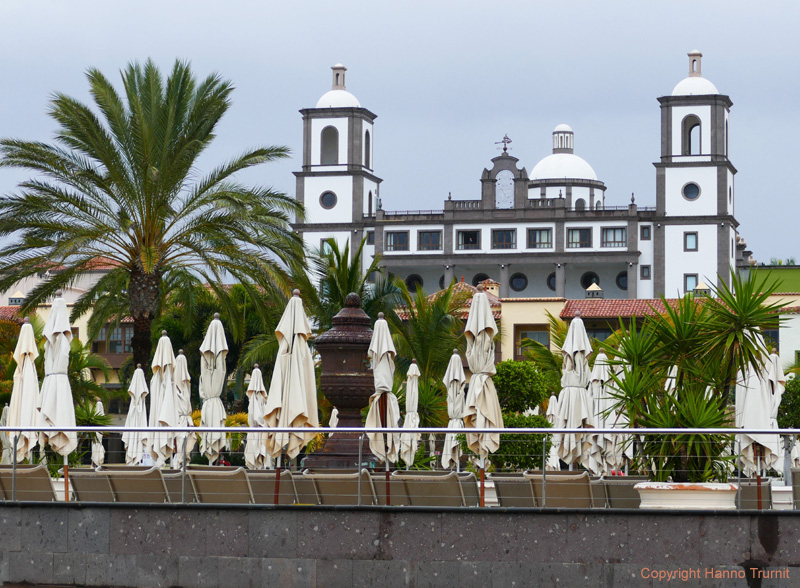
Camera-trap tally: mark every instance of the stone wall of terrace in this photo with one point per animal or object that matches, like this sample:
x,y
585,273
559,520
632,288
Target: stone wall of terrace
x,y
237,547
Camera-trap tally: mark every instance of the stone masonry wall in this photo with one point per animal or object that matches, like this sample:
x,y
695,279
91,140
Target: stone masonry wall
x,y
239,547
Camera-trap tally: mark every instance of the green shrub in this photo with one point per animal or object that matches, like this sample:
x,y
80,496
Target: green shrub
x,y
520,385
521,452
789,411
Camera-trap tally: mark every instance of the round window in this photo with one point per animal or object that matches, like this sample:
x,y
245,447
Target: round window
x,y
691,191
518,282
588,279
413,282
551,281
328,200
478,278
622,280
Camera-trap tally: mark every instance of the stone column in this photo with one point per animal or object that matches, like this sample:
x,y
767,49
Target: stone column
x,y
504,267
633,277
561,280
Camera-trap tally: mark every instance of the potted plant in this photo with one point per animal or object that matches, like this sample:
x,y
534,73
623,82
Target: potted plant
x,y
678,369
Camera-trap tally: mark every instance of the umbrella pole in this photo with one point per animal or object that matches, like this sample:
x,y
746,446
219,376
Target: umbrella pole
x,y
758,476
384,405
483,482
183,470
14,469
66,479
277,478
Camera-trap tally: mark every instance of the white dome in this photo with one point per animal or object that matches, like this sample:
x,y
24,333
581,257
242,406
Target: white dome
x,y
562,128
338,99
563,165
694,86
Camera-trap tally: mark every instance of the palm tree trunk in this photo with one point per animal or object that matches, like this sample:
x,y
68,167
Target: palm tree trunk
x,y
144,296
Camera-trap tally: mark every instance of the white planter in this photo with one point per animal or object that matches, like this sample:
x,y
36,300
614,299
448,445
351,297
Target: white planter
x,y
687,495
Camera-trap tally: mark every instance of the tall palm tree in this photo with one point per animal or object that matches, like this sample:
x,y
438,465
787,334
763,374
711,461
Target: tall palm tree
x,y
121,182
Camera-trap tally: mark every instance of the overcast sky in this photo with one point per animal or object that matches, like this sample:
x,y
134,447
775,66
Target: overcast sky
x,y
447,80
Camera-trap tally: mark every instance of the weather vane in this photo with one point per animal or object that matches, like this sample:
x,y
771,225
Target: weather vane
x,y
505,143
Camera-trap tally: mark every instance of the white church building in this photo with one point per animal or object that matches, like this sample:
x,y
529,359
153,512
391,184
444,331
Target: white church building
x,y
547,233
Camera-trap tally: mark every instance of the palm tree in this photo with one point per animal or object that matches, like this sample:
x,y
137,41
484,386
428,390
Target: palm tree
x,y
121,183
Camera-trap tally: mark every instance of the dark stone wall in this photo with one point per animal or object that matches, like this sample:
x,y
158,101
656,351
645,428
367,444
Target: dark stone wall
x,y
196,546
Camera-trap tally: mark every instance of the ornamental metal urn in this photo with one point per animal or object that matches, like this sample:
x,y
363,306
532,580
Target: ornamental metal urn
x,y
347,382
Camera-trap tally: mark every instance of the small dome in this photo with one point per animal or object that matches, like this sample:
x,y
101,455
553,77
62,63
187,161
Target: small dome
x,y
563,165
338,99
562,128
694,86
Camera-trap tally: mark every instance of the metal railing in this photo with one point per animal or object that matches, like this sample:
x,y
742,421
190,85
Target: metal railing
x,y
425,483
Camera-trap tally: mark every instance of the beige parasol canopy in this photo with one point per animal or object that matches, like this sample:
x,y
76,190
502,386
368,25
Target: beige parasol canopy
x,y
22,412
136,443
292,398
454,379
213,374
255,449
410,441
163,401
574,410
553,461
4,438
98,451
482,408
55,398
183,390
381,351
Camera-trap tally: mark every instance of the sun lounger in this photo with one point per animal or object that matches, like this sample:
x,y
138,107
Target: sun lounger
x,y
432,489
796,488
513,490
138,485
176,487
305,489
221,485
470,488
397,490
262,484
90,485
343,489
562,491
33,483
621,492
747,496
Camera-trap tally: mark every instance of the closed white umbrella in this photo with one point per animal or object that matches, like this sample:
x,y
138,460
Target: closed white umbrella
x,y
410,441
574,410
163,401
292,398
255,449
213,373
754,397
4,439
553,461
183,390
381,351
98,451
22,412
600,452
333,422
454,379
136,443
482,409
56,408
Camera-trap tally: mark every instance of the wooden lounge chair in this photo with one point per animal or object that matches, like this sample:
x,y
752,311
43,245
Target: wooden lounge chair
x,y
262,484
796,488
513,490
221,485
305,489
747,495
176,486
397,490
138,485
599,496
562,491
33,483
621,492
470,488
432,489
343,489
90,485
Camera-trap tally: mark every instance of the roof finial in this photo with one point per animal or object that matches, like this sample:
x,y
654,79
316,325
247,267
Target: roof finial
x,y
633,200
338,77
694,64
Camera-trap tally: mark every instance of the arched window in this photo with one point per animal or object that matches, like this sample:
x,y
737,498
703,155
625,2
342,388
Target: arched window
x,y
369,204
580,204
691,136
367,151
330,146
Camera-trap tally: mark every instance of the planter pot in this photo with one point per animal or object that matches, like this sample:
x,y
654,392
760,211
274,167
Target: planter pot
x,y
687,495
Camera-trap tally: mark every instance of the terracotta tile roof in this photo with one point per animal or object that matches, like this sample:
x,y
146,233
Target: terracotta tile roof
x,y
790,310
611,308
551,299
10,313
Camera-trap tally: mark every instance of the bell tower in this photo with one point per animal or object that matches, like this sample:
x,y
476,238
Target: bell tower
x,y
694,187
337,184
